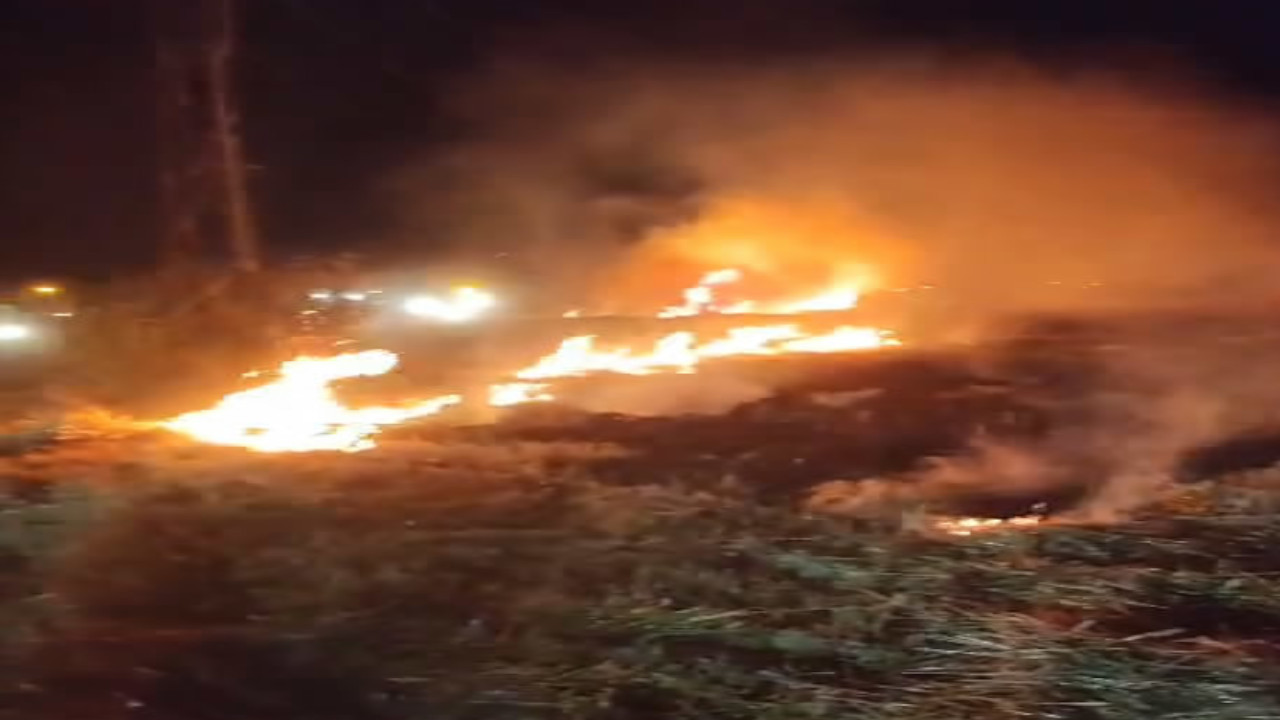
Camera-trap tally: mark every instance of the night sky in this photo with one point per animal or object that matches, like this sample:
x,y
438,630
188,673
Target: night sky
x,y
336,93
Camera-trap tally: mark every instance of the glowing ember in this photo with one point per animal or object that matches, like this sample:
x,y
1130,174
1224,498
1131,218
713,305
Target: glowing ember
x,y
298,412
971,525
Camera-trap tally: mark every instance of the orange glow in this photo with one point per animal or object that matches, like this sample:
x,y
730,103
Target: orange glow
x,y
840,298
842,339
681,352
518,393
298,411
702,299
971,525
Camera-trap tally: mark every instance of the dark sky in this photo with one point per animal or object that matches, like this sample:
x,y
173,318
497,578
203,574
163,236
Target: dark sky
x,y
337,92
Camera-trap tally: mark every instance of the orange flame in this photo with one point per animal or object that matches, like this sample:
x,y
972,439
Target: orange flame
x,y
518,393
298,412
701,299
680,352
970,525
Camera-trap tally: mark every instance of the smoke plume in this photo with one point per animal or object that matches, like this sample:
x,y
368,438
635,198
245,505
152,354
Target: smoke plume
x,y
1118,448
988,178
1008,187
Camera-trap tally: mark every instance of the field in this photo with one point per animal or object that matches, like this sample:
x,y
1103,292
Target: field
x,y
562,564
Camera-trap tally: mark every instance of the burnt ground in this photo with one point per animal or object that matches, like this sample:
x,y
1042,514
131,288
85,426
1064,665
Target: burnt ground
x,y
569,564
1064,392
827,418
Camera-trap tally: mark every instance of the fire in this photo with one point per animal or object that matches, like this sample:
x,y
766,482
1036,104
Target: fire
x,y
842,339
840,298
702,299
518,393
681,352
299,413
579,356
970,525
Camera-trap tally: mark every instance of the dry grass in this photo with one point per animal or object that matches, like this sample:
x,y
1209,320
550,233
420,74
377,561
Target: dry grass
x,y
469,581
153,345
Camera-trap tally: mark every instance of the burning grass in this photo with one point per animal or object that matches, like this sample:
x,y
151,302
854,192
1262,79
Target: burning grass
x,y
506,580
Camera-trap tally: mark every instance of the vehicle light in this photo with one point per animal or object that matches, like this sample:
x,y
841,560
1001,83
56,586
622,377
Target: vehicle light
x,y
463,305
10,332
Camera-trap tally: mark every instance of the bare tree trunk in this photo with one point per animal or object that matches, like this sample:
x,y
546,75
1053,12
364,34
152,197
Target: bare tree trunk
x,y
182,133
241,232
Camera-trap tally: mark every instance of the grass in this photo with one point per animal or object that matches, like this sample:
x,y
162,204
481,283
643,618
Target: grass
x,y
474,581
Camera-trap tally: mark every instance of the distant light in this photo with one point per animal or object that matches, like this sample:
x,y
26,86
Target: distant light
x,y
464,305
46,289
320,295
354,296
10,332
426,306
64,314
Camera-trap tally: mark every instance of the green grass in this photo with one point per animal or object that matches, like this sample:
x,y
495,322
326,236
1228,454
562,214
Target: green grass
x,y
504,582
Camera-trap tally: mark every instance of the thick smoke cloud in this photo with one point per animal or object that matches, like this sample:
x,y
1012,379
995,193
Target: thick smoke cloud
x,y
1008,187
986,177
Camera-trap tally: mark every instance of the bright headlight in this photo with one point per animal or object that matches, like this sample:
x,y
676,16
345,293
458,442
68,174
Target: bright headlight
x,y
425,306
10,332
463,305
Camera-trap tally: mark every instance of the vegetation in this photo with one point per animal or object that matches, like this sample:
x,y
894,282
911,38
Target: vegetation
x,y
482,581
152,346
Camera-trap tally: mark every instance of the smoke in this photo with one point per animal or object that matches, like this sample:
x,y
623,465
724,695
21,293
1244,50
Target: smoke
x,y
1115,450
1161,401
988,178
667,395
1008,187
